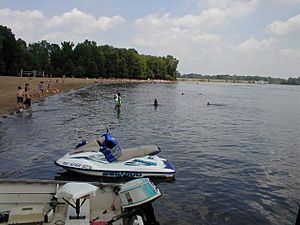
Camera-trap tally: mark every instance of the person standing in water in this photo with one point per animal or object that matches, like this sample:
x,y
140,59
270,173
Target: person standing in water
x,y
28,95
20,97
118,100
155,102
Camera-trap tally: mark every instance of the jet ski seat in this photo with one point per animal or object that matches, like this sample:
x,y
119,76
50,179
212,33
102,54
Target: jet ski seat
x,y
126,154
140,151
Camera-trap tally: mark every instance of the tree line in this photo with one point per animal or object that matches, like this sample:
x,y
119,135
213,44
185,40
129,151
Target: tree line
x,y
85,59
237,79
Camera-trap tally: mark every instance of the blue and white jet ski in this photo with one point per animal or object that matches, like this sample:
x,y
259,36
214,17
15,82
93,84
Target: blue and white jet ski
x,y
104,157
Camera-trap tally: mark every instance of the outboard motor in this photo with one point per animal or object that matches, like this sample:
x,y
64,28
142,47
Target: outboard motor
x,y
110,148
146,212
136,199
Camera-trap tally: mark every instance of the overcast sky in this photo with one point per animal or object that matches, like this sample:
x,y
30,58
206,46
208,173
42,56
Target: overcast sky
x,y
241,37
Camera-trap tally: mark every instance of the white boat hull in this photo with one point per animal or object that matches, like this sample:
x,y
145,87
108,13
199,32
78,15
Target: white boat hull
x,y
94,164
48,202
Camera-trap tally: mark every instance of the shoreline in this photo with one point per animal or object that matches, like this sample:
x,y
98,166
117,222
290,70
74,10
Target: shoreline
x,y
9,84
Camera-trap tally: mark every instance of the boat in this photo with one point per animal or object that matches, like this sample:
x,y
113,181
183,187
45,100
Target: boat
x,y
71,203
104,157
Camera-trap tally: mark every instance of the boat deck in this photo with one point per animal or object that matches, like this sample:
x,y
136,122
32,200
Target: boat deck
x,y
34,203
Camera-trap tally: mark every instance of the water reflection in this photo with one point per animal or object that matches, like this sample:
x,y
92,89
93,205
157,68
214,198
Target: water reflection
x,y
118,110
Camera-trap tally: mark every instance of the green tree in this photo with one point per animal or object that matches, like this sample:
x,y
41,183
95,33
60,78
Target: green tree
x,y
55,59
67,57
112,63
134,65
171,66
86,59
39,56
69,68
92,70
79,71
8,52
22,55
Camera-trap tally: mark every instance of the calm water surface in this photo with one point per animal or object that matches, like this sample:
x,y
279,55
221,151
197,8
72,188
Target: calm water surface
x,y
237,160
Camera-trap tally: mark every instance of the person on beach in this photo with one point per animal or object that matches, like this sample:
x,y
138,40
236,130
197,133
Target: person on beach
x,y
41,88
28,95
48,86
20,97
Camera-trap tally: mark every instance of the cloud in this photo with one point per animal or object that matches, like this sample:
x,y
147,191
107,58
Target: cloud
x,y
213,37
206,38
291,53
277,3
199,42
253,45
290,26
166,31
211,17
191,37
32,25
23,23
76,25
233,7
76,19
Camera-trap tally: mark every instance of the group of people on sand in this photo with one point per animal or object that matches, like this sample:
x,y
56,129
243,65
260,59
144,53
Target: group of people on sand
x,y
24,97
42,88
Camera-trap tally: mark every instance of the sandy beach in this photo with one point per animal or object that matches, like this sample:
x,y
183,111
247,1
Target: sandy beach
x,y
9,85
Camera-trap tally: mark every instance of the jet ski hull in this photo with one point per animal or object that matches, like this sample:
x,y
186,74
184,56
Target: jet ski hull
x,y
94,164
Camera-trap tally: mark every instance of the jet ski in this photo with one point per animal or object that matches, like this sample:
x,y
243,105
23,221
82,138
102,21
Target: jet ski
x,y
104,157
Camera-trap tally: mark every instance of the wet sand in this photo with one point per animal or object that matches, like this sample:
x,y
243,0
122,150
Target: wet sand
x,y
9,85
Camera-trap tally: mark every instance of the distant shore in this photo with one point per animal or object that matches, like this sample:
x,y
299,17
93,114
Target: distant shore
x,y
9,84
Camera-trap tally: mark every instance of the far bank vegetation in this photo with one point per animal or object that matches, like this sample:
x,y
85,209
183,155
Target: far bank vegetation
x,y
238,79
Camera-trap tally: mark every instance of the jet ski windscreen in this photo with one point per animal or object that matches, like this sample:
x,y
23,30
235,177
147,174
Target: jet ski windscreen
x,y
110,144
110,141
112,154
110,148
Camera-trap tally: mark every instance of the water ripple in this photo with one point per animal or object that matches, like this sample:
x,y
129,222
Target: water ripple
x,y
237,161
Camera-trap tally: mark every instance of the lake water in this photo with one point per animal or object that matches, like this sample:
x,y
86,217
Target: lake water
x,y
237,159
